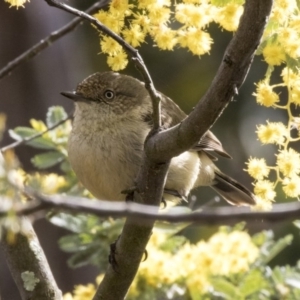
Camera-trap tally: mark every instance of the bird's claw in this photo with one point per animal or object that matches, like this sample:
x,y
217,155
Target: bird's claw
x,y
163,202
112,255
175,194
129,193
146,255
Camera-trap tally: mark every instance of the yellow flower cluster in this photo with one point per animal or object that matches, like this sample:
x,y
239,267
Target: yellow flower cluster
x,y
281,37
17,3
280,45
58,136
287,168
265,95
81,292
190,267
272,133
155,18
257,168
47,183
229,16
84,292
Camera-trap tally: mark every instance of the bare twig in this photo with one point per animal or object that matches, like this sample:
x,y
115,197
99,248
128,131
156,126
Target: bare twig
x,y
24,257
209,216
136,57
30,138
48,41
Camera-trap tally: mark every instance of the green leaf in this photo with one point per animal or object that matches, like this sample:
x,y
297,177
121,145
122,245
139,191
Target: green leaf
x,y
292,63
277,247
239,226
71,243
94,254
252,283
296,293
277,275
227,289
293,280
297,223
260,238
42,143
65,166
172,244
69,222
48,159
54,115
90,243
21,133
86,249
261,47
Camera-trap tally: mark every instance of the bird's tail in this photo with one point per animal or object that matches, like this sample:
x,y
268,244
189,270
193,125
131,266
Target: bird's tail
x,y
232,191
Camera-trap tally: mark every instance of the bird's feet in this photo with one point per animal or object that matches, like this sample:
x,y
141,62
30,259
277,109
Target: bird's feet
x,y
112,255
130,195
175,194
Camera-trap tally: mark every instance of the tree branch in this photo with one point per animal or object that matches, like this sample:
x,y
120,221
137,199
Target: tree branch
x,y
135,235
224,215
48,41
25,256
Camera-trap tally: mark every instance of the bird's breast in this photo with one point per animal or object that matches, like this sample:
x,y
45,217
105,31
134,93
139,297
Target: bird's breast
x,y
107,161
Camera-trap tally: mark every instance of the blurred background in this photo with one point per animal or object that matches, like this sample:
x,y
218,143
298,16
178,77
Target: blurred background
x,y
35,85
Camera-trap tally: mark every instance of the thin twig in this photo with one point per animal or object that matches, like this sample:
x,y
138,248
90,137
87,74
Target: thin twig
x,y
30,138
48,41
209,216
136,57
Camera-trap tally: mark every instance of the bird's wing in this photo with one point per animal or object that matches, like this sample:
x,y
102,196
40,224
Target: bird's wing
x,y
232,191
172,115
210,143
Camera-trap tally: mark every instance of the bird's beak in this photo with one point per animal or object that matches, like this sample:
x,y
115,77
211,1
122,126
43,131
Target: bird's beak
x,y
72,95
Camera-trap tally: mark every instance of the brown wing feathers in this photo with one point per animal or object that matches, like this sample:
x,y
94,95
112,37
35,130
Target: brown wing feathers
x,y
172,115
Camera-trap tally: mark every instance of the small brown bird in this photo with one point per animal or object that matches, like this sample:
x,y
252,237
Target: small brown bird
x,y
113,115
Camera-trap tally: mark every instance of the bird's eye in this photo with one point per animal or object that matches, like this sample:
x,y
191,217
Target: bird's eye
x,y
109,94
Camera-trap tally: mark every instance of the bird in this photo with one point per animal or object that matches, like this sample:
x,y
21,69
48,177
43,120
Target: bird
x,y
112,118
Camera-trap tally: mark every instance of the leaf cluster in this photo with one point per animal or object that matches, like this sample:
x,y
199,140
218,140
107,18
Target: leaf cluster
x,y
54,141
